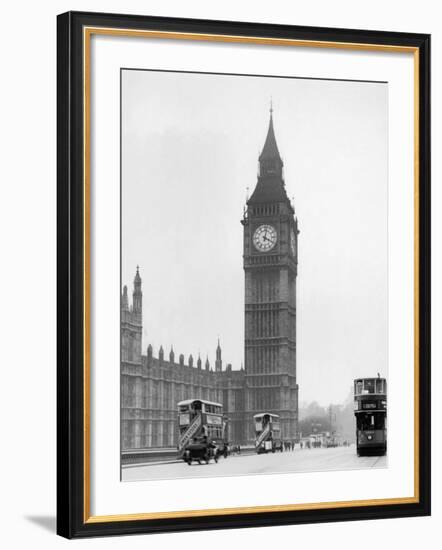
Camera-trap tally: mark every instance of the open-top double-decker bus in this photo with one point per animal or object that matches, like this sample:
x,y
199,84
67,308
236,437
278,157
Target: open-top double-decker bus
x,y
370,404
200,420
267,433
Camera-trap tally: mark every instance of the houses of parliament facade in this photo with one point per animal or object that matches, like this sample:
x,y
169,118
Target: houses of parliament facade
x,y
153,384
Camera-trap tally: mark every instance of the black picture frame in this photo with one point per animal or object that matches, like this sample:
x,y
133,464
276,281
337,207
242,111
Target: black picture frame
x,y
72,392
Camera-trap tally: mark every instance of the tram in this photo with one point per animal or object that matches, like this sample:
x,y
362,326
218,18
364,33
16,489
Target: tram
x,y
201,422
267,433
370,407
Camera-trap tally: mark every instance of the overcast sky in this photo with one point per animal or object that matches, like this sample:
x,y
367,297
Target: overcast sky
x,y
190,146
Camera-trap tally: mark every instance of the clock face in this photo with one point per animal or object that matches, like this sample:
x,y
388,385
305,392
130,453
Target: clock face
x,y
293,242
264,238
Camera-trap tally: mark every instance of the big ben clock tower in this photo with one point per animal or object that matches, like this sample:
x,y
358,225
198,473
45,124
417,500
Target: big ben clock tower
x,y
270,266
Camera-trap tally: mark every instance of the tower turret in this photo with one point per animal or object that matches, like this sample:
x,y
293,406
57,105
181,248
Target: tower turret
x,y
131,324
124,299
137,296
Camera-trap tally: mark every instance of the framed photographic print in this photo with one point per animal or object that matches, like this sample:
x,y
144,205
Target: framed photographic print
x,y
243,274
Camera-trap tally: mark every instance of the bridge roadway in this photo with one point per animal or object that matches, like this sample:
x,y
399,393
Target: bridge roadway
x,y
299,460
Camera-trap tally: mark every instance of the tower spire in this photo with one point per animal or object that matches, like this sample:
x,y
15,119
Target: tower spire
x,y
270,149
137,279
137,295
270,187
218,361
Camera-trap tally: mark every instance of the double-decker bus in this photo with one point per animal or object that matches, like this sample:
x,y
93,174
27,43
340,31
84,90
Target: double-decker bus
x,y
267,433
370,406
201,420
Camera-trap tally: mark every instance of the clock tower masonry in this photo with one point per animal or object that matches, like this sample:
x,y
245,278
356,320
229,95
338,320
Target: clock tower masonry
x,y
270,267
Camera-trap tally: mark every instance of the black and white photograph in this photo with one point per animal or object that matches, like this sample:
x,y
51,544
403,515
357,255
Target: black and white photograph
x,y
222,257
254,275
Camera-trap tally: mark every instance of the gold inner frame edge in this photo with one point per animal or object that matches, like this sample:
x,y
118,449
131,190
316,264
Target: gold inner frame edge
x,y
87,33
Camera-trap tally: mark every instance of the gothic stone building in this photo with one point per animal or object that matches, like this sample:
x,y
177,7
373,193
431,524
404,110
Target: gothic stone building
x,y
152,386
270,265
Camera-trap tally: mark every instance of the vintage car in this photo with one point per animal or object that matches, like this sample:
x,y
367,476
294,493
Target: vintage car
x,y
200,451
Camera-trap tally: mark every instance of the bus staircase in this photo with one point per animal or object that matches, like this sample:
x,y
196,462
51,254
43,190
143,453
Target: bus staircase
x,y
263,436
190,432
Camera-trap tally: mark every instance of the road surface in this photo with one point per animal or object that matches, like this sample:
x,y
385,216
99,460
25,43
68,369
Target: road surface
x,y
305,460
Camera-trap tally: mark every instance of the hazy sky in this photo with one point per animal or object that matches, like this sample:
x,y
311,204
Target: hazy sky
x,y
190,146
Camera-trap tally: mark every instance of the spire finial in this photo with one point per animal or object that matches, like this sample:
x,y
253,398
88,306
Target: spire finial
x,y
270,149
